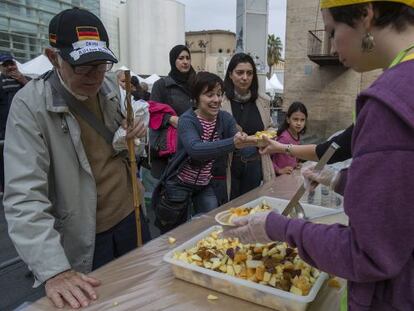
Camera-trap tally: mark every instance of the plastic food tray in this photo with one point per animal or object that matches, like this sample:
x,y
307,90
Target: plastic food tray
x,y
244,289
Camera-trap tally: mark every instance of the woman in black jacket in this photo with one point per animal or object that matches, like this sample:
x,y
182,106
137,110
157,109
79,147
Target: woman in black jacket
x,y
173,90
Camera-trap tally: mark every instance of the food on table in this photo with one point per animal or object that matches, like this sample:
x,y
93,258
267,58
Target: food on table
x,y
274,264
212,297
244,211
171,240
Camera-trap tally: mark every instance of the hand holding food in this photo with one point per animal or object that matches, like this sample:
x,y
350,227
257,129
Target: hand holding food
x,y
261,135
250,228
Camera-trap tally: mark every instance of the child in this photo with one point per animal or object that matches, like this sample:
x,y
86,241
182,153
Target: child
x,y
289,133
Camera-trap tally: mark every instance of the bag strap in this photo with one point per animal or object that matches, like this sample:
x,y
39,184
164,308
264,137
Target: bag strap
x,y
76,106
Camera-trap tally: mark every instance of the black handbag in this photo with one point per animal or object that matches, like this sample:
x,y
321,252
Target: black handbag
x,y
171,202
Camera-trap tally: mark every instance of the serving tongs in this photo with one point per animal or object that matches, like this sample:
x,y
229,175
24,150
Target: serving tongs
x,y
294,208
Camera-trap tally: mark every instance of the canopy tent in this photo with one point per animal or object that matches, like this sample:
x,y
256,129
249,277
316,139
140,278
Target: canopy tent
x,y
37,66
151,79
140,79
274,84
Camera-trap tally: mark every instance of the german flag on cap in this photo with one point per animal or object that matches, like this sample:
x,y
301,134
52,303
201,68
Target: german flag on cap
x,y
87,33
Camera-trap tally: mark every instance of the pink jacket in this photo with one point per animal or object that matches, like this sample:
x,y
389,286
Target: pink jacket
x,y
157,112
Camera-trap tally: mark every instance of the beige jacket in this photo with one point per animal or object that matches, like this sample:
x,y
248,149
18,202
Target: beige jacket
x,y
263,105
50,198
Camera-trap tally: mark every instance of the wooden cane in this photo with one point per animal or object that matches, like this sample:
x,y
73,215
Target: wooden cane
x,y
132,159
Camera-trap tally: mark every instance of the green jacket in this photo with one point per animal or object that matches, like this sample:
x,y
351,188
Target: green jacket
x,y
50,194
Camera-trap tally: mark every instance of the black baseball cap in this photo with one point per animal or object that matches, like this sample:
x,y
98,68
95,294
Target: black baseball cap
x,y
80,37
5,57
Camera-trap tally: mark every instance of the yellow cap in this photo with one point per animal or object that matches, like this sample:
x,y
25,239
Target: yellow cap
x,y
326,4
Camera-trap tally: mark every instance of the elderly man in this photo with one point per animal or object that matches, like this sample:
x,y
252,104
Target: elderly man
x,y
68,195
11,80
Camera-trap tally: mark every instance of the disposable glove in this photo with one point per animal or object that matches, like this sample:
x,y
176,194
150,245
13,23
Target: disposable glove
x,y
250,229
326,176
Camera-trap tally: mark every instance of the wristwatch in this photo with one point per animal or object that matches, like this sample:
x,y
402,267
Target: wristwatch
x,y
288,149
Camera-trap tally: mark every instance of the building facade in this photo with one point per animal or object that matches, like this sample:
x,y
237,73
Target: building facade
x,y
24,24
315,77
211,50
109,13
148,31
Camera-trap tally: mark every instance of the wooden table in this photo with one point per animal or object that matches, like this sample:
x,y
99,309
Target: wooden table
x,y
141,281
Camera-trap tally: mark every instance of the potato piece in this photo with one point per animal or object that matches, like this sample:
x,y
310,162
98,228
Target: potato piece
x,y
237,269
239,257
171,240
333,282
272,280
212,297
251,272
260,273
230,270
295,290
253,263
266,276
196,258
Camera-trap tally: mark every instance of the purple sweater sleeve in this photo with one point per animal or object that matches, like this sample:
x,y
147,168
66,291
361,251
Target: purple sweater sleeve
x,y
378,200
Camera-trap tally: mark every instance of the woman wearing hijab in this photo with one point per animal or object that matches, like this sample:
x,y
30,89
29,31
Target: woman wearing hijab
x,y
173,90
375,251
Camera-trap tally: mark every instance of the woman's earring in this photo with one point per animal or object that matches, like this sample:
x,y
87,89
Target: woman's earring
x,y
368,43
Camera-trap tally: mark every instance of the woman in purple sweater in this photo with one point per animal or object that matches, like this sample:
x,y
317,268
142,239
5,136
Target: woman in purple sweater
x,y
375,253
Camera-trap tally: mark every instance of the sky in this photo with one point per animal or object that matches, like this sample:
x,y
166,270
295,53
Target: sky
x,y
221,14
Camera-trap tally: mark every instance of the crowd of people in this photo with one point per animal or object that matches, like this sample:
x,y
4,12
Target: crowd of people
x,y
67,189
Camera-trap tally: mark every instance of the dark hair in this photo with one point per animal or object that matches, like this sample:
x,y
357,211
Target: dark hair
x,y
294,107
202,80
387,13
135,81
228,83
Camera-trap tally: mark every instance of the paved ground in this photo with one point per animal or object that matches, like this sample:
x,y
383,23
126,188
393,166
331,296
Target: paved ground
x,y
15,281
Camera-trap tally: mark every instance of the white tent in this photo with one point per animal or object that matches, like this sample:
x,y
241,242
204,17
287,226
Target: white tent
x,y
37,66
140,79
275,83
151,79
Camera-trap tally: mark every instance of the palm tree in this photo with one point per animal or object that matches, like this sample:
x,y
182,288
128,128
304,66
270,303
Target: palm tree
x,y
274,52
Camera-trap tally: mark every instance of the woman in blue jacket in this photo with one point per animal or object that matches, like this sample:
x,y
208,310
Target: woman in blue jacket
x,y
205,134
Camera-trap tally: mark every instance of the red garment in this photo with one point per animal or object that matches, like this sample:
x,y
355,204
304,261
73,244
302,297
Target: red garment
x,y
157,112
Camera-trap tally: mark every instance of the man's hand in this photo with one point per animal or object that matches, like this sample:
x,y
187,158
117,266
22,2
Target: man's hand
x,y
18,76
173,121
71,287
138,130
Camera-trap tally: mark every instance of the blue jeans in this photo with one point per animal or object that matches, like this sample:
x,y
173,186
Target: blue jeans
x,y
118,240
204,200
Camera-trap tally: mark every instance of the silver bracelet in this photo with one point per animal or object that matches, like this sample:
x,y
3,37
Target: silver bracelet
x,y
288,149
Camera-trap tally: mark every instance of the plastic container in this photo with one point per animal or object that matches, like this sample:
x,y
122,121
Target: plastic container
x,y
311,211
257,293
